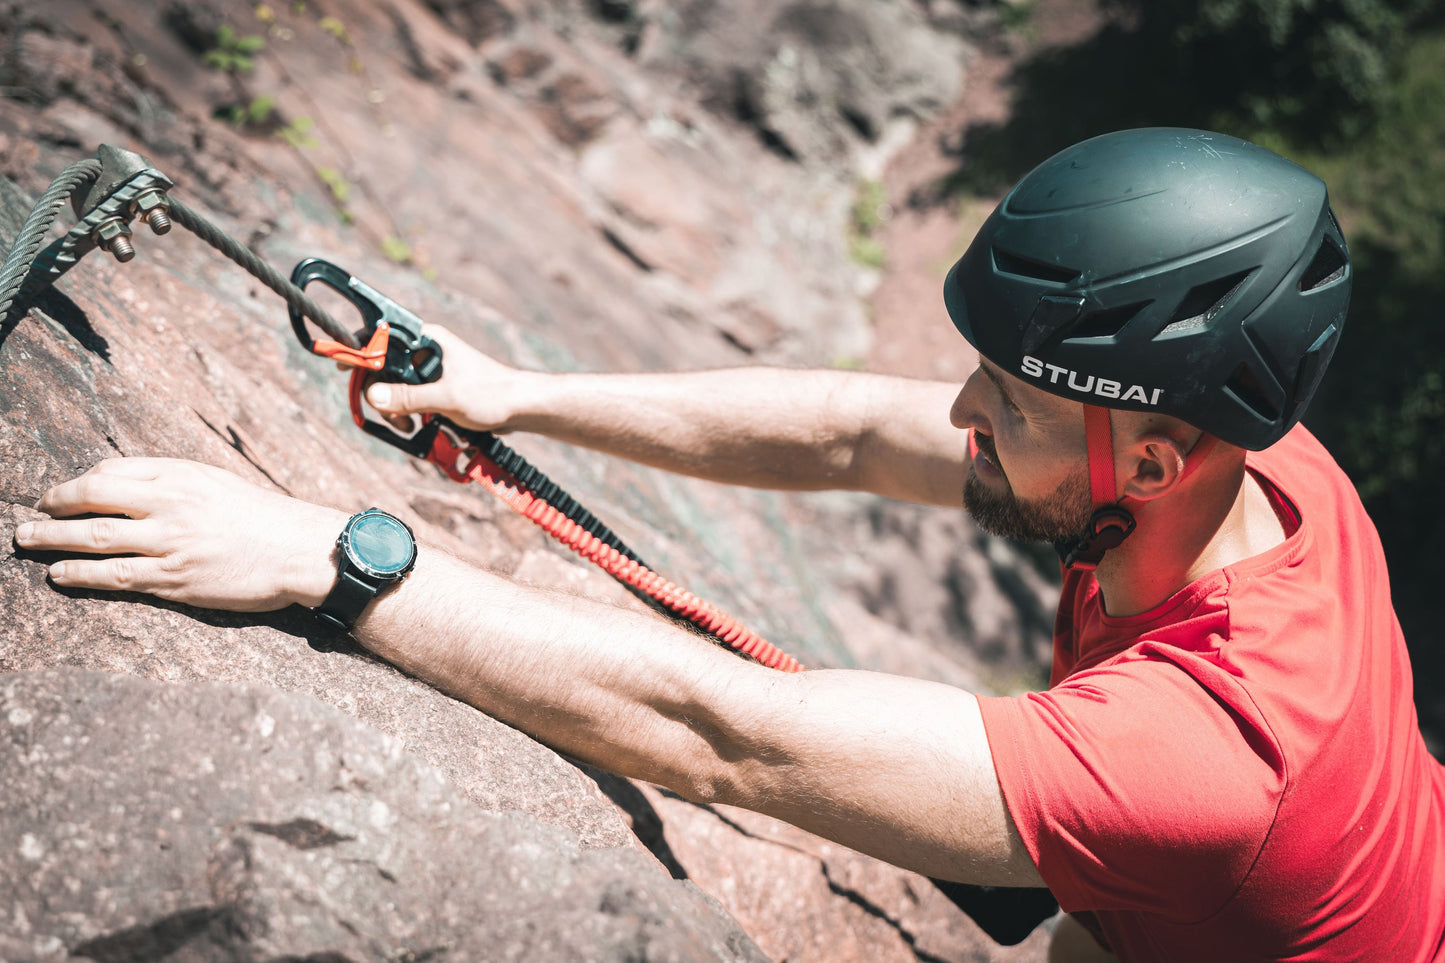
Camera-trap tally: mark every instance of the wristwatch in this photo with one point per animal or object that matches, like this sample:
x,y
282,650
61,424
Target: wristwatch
x,y
377,551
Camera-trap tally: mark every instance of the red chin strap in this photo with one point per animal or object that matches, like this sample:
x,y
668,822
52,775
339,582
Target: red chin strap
x,y
1110,522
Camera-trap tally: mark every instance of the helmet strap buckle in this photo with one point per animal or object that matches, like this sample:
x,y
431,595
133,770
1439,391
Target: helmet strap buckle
x,y
1108,527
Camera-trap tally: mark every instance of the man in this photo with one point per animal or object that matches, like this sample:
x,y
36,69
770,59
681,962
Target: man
x,y
1227,764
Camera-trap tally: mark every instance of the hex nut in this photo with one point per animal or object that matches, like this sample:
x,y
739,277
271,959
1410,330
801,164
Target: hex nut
x,y
109,230
113,235
153,207
150,200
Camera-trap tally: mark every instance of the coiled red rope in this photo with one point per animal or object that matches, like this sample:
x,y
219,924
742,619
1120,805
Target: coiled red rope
x,y
629,571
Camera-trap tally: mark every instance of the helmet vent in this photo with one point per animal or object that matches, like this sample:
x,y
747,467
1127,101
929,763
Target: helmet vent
x,y
1106,322
1326,267
1312,365
1202,304
1027,267
1246,389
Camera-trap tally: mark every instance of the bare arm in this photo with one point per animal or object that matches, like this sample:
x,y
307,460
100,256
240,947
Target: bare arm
x,y
895,767
762,427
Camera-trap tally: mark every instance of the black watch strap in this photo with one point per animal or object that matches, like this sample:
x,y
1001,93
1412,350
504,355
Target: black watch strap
x,y
347,600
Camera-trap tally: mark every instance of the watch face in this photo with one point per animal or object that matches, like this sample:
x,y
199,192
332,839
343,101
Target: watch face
x,y
381,545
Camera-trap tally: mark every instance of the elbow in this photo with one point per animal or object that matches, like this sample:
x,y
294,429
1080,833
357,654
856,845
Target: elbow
x,y
733,764
743,782
706,789
730,740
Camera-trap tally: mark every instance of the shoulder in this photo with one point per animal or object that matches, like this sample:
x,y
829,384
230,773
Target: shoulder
x,y
1130,776
1332,515
1303,469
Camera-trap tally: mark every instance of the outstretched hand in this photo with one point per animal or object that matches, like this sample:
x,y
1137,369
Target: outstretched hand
x,y
186,532
475,390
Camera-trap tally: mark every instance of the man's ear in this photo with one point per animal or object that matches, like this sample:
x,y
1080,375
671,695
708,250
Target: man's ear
x,y
1151,465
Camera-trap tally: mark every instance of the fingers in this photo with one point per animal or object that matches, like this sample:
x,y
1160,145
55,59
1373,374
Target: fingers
x,y
100,492
195,534
112,574
400,399
139,543
92,536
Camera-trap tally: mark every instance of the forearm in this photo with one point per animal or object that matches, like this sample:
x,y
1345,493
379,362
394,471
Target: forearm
x,y
762,427
895,767
621,689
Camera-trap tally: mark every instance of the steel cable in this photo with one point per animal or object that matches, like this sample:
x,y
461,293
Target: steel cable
x,y
32,233
263,272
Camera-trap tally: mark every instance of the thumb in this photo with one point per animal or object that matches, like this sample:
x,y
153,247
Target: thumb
x,y
399,399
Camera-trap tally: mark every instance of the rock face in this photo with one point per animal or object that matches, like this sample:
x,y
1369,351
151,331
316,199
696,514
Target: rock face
x,y
554,182
242,823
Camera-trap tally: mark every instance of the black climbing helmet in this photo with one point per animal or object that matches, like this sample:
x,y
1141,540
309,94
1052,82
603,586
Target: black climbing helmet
x,y
1162,269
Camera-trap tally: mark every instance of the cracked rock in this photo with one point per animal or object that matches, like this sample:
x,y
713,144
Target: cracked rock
x,y
240,823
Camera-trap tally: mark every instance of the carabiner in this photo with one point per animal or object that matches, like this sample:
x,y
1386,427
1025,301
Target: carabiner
x,y
395,348
394,344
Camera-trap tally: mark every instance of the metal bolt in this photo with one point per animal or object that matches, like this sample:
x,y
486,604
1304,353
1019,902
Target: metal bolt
x,y
153,206
114,236
122,249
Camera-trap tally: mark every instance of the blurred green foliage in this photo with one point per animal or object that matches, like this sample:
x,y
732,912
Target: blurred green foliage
x,y
1320,70
1354,90
1383,409
233,52
866,218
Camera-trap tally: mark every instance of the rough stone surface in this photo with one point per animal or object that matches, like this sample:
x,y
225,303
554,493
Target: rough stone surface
x,y
815,79
145,821
550,181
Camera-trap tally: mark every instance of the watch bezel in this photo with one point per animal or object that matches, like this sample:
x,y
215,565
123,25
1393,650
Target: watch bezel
x,y
354,559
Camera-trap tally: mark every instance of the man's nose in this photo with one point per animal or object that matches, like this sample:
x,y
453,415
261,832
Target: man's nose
x,y
967,410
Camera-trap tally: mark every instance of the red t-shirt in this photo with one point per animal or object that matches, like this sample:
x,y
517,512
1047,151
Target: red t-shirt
x,y
1238,774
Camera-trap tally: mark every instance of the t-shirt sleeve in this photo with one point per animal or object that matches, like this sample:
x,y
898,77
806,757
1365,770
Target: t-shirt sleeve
x,y
1135,787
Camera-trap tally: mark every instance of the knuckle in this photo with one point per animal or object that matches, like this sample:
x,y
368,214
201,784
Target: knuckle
x,y
85,487
176,563
175,530
102,533
124,573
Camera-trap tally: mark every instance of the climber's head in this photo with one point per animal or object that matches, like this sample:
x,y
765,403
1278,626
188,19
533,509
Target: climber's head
x,y
1174,273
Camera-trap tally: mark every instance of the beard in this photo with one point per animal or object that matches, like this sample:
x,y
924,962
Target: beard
x,y
1058,517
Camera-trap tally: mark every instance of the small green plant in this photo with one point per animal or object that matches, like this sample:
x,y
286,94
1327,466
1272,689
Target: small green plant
x,y
870,207
254,114
395,249
1015,14
867,251
336,183
233,52
869,213
298,133
336,28
340,189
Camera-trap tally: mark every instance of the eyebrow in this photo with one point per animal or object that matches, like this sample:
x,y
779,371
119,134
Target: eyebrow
x,y
996,376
